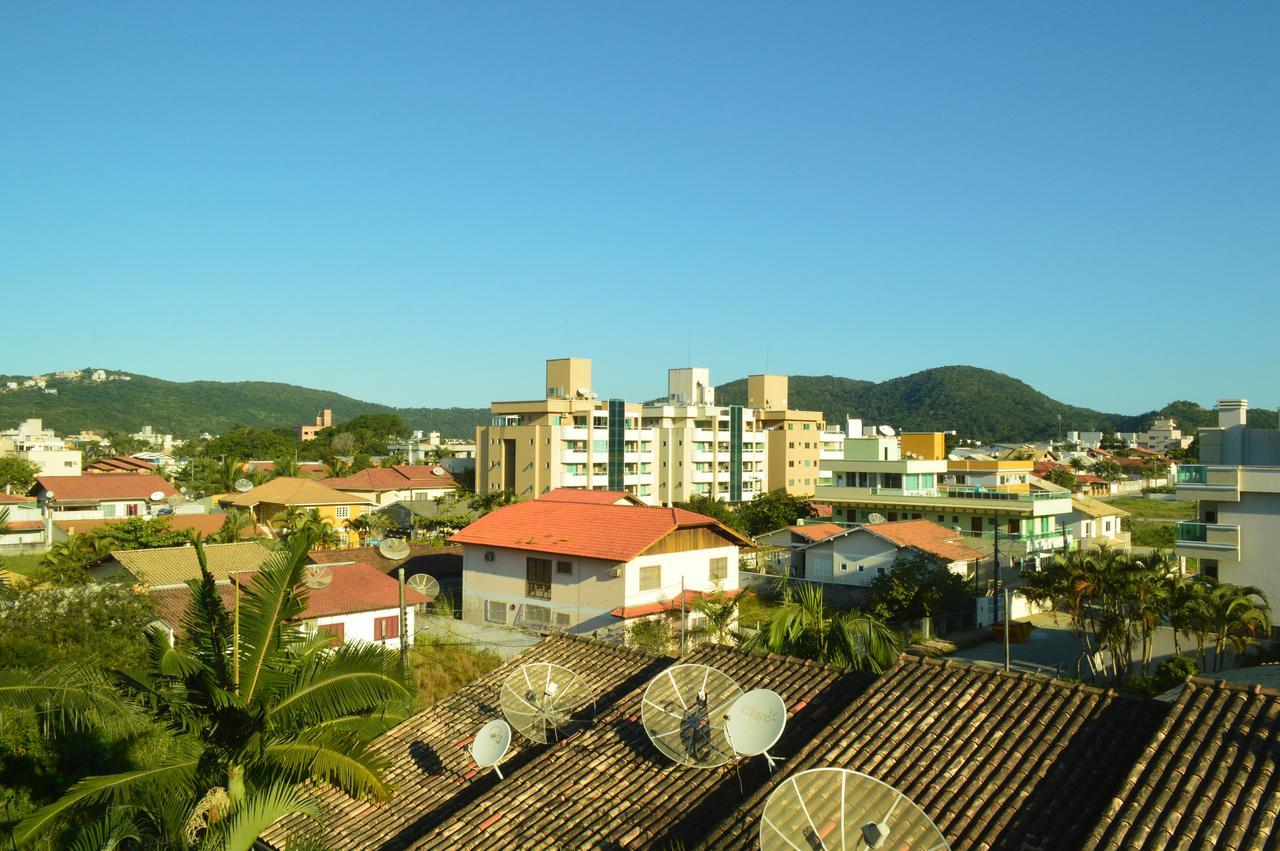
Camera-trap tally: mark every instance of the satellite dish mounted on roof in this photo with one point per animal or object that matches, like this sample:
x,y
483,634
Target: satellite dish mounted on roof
x,y
875,517
438,471
491,744
243,485
885,431
316,576
425,584
684,710
755,723
394,549
156,496
546,702
833,808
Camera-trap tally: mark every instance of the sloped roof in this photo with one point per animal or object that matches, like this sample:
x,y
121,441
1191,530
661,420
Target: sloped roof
x,y
818,531
606,787
352,588
286,490
1208,780
17,499
175,565
672,605
1096,507
609,532
996,760
114,487
923,535
587,497
203,524
822,509
118,464
398,477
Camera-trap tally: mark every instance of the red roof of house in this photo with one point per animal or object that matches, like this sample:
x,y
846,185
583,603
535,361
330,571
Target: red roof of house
x,y
608,532
587,497
114,487
15,499
203,524
645,609
1086,479
25,525
353,588
821,509
818,531
926,536
119,464
398,477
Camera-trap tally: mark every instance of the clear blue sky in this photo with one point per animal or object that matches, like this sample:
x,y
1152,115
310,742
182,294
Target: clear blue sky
x,y
418,203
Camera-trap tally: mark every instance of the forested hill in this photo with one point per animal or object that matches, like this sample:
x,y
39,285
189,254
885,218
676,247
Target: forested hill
x,y
975,402
191,407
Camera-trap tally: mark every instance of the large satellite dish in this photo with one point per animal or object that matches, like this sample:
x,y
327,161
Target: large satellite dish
x,y
755,723
437,471
243,485
316,576
491,744
876,518
546,702
425,584
825,809
156,496
885,431
394,548
684,709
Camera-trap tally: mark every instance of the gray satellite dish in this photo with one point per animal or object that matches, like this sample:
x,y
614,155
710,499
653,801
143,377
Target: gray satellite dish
x,y
394,549
755,723
830,808
316,576
243,485
876,518
885,431
424,584
491,744
156,496
546,702
684,709
438,471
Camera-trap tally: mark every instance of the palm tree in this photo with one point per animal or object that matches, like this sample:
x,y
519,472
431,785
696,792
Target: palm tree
x,y
254,711
287,466
336,468
4,521
1078,463
1236,615
237,520
718,613
230,471
802,626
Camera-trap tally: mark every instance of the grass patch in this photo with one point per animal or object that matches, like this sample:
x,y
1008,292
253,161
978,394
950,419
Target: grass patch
x,y
752,610
438,669
1155,509
24,563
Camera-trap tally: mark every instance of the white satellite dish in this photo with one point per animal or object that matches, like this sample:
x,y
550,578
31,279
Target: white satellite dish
x,y
156,496
684,710
491,744
546,702
876,518
832,808
755,723
316,576
424,584
243,485
885,431
394,549
438,471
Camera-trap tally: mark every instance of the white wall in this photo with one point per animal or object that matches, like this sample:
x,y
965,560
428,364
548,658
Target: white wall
x,y
853,559
359,626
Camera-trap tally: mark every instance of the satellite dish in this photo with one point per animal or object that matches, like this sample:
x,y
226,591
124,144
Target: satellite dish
x,y
156,496
885,431
243,485
437,471
755,723
831,808
875,517
491,744
394,548
316,576
546,702
684,710
425,585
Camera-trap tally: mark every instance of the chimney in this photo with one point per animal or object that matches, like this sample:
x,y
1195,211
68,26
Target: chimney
x,y
1232,412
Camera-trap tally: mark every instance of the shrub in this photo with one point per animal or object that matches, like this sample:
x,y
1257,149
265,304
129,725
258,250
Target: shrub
x,y
1175,670
651,635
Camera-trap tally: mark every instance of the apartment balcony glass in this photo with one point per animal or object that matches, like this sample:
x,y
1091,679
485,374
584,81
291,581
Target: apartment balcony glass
x,y
1193,474
1207,540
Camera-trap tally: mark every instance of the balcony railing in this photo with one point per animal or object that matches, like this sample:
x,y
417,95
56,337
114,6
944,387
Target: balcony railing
x,y
1193,474
1211,534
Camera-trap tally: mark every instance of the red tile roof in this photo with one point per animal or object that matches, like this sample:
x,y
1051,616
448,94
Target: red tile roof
x,y
821,509
119,464
587,497
204,524
16,499
399,477
818,531
928,537
25,525
97,488
609,532
672,605
354,588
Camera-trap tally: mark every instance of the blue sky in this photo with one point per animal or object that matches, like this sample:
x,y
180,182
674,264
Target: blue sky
x,y
418,203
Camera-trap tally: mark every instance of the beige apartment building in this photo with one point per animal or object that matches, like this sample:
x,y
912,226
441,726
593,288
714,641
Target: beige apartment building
x,y
797,440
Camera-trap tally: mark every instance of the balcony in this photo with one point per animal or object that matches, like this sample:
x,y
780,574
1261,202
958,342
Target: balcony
x,y
1208,540
1201,481
1003,503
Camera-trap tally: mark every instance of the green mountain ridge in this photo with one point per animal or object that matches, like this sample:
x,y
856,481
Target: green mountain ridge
x,y
977,403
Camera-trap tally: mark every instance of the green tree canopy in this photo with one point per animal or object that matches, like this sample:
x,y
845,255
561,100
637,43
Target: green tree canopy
x,y
772,510
918,587
17,475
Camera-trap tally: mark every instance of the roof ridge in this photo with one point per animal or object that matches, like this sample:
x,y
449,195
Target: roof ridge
x,y
1228,685
986,668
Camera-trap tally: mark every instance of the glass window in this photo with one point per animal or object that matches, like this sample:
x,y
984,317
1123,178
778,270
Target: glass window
x,y
719,569
651,577
564,568
538,578
495,611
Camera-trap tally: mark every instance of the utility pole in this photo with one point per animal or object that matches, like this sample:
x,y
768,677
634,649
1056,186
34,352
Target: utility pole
x,y
682,616
404,623
1003,588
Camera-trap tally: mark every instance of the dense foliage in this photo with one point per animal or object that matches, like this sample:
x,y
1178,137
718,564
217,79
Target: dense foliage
x,y
16,474
918,588
804,627
765,513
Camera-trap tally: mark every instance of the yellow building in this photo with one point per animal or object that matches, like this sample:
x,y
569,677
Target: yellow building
x,y
266,502
797,441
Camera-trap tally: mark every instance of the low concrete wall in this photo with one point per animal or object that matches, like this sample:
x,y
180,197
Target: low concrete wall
x,y
506,642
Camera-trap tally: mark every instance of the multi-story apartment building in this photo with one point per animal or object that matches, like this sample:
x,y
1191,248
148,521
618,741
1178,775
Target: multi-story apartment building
x,y
909,477
796,439
1163,435
1237,483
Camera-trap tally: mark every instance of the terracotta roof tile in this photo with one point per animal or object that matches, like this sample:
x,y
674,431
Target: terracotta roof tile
x,y
587,497
923,535
818,531
609,532
114,487
203,524
672,605
285,490
161,566
352,588
398,477
119,464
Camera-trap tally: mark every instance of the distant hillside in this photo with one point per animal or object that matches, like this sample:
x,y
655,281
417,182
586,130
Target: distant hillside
x,y
975,402
192,407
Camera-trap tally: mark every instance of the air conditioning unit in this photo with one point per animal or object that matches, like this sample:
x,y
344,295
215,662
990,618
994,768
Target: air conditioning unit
x,y
616,571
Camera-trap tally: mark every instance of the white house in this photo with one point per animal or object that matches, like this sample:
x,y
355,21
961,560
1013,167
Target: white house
x,y
1094,523
24,522
96,497
385,485
859,554
589,563
54,462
